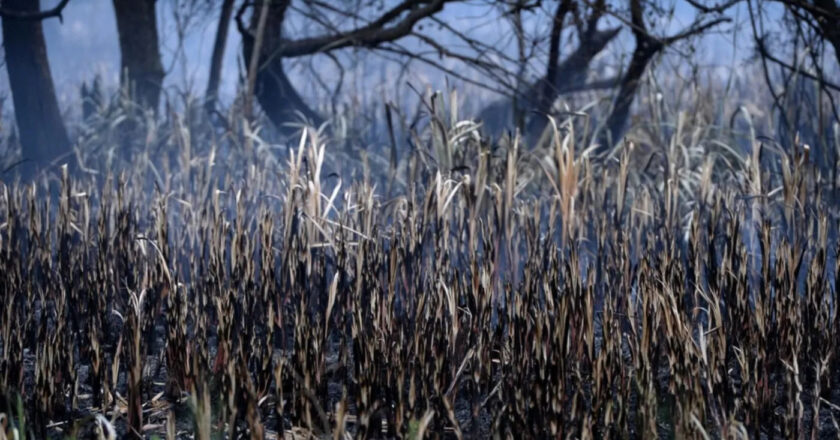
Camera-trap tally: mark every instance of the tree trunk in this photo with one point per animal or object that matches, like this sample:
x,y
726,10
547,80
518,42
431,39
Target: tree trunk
x,y
141,68
546,96
212,93
43,136
646,48
277,96
569,76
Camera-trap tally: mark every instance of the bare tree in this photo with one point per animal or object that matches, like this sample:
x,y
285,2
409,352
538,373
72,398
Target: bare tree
x,y
648,45
574,74
798,72
561,76
43,136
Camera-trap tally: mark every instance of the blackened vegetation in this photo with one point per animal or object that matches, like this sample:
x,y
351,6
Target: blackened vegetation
x,y
467,307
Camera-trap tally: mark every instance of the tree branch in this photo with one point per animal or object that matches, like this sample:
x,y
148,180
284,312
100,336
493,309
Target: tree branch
x,y
553,53
370,35
697,28
401,51
819,8
25,15
716,8
764,53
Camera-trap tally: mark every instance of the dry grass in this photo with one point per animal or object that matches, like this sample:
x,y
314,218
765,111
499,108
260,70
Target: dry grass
x,y
503,292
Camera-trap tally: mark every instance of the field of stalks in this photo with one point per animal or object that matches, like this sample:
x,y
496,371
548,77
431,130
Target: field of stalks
x,y
229,288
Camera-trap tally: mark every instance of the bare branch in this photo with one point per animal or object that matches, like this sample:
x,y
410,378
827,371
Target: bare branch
x,y
371,35
695,29
637,25
480,47
824,9
493,70
764,53
401,51
27,15
715,8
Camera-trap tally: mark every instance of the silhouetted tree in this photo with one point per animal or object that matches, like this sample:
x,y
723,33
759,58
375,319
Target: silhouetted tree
x,y
572,73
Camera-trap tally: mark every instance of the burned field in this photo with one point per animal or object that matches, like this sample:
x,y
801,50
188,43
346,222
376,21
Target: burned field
x,y
468,304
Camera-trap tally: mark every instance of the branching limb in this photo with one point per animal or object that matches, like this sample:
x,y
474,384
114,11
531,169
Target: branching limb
x,y
29,15
761,47
371,35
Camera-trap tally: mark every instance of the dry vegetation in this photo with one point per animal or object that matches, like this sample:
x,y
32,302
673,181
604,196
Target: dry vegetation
x,y
503,291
